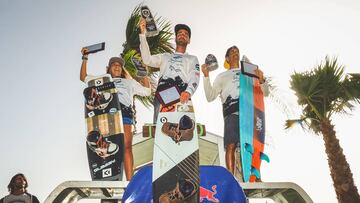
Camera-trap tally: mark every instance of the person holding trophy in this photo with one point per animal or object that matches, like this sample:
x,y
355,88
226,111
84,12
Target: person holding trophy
x,y
226,85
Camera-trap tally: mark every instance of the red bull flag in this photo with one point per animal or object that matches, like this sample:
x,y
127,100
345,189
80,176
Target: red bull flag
x,y
216,185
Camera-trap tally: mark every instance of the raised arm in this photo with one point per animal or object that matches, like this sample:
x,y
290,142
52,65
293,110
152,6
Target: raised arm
x,y
83,69
211,92
142,89
148,59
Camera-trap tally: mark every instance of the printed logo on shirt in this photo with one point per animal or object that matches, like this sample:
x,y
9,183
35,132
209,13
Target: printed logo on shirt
x,y
197,67
176,58
236,77
117,80
194,85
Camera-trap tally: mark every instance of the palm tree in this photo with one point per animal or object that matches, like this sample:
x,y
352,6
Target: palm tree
x,y
321,93
157,44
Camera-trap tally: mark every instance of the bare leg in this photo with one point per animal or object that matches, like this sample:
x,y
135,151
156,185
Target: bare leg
x,y
230,157
128,155
156,110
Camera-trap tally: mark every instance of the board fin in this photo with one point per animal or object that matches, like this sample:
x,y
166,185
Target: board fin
x,y
265,157
249,148
255,172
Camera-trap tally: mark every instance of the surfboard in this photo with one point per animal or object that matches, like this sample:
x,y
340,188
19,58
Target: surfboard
x,y
259,132
246,124
252,127
175,176
105,135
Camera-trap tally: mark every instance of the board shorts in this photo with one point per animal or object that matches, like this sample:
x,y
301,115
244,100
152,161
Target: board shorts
x,y
128,121
127,114
231,130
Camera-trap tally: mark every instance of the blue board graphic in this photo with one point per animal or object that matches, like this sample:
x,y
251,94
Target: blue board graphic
x,y
216,185
246,115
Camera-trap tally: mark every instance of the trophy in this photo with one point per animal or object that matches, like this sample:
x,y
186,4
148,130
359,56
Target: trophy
x,y
211,61
151,29
139,65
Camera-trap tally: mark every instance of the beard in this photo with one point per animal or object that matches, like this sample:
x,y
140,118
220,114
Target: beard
x,y
20,186
181,42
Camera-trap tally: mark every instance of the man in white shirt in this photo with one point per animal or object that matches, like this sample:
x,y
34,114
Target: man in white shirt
x,y
227,85
178,69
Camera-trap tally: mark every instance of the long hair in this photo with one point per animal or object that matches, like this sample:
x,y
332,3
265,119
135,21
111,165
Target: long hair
x,y
11,186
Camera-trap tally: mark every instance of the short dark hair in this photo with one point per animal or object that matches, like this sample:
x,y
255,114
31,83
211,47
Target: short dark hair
x,y
11,186
184,27
229,49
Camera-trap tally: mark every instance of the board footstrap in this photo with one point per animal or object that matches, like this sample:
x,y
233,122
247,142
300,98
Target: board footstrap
x,y
149,130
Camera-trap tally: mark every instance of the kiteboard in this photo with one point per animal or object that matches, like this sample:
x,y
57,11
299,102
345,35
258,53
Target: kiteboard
x,y
175,176
105,135
149,130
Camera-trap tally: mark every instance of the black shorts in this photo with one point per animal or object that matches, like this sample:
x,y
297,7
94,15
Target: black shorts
x,y
231,130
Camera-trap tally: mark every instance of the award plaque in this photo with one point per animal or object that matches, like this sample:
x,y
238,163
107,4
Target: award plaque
x,y
168,96
248,69
151,28
95,48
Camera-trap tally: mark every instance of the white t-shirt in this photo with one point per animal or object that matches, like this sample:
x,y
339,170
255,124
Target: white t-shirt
x,y
127,88
226,84
172,65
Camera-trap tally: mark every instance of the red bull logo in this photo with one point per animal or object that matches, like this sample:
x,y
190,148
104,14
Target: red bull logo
x,y
209,195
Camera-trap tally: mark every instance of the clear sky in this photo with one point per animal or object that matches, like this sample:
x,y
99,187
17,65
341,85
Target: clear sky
x,y
43,129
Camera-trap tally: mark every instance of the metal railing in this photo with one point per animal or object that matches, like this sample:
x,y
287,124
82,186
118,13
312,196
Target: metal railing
x,y
73,191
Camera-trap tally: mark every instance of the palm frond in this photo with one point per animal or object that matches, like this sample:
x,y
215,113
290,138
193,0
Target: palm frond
x,y
351,87
292,122
277,96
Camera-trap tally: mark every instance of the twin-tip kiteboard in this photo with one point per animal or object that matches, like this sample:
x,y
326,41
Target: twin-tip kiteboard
x,y
176,155
105,137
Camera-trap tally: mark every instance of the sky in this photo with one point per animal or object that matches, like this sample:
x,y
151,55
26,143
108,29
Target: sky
x,y
43,129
